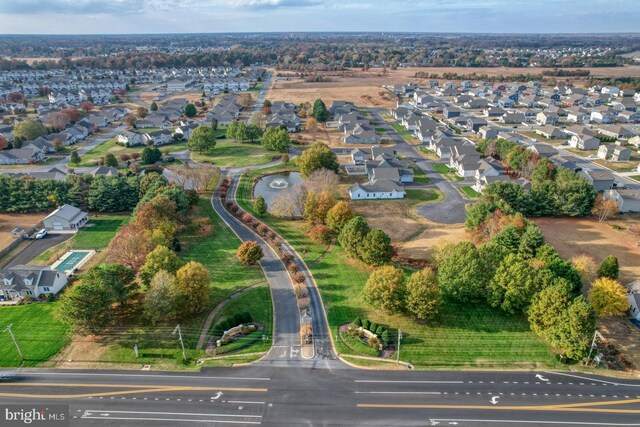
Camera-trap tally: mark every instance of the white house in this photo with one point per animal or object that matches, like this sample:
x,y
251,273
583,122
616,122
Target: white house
x,y
30,281
380,189
628,200
634,299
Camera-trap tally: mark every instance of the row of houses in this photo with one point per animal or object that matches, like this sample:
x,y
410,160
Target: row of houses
x,y
356,128
283,114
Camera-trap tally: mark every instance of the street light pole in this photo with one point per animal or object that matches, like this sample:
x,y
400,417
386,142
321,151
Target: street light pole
x,y
399,338
13,337
179,331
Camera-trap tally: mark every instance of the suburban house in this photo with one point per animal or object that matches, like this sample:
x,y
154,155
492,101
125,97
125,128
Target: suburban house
x,y
483,182
633,295
602,180
488,132
512,118
614,153
547,118
30,281
543,150
628,200
381,189
159,137
130,138
288,121
65,218
616,131
21,156
584,142
361,134
550,132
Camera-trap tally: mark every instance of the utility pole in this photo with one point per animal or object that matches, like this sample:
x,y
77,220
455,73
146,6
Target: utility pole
x,y
179,331
596,335
15,341
399,338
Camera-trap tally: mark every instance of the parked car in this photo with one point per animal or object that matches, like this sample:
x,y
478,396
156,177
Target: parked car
x,y
40,234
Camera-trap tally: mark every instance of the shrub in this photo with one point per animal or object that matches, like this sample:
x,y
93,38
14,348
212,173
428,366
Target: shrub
x,y
124,157
223,194
385,337
286,257
247,218
229,204
374,342
366,323
263,230
357,322
237,319
298,277
373,327
300,290
292,267
272,235
246,317
379,330
225,325
303,303
609,267
249,253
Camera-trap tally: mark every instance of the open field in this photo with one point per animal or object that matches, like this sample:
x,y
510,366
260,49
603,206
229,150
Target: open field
x,y
575,236
39,334
464,336
229,153
10,221
364,87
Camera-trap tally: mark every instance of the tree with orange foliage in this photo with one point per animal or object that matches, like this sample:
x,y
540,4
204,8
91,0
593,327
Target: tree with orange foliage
x,y
130,246
604,208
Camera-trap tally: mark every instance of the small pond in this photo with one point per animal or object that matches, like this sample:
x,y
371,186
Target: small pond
x,y
271,186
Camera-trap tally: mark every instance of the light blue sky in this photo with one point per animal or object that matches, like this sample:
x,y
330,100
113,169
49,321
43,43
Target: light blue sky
x,y
171,16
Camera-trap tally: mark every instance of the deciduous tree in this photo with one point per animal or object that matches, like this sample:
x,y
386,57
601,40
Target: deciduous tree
x,y
164,300
338,216
423,294
385,289
161,258
276,139
608,297
202,140
28,130
75,157
249,253
604,208
319,156
194,283
462,274
129,246
352,236
376,248
260,206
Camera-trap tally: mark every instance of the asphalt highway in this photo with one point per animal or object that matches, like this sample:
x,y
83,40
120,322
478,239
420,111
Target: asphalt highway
x,y
338,396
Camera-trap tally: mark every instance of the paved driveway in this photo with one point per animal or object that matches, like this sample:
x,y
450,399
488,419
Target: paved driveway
x,y
36,248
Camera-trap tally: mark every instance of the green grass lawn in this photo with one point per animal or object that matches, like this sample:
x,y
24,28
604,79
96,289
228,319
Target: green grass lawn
x,y
447,172
111,146
424,195
462,336
399,128
39,334
420,177
380,131
636,177
257,302
470,192
230,154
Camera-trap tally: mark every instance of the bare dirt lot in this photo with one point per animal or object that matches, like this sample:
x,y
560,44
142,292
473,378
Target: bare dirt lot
x,y
364,87
10,221
575,236
415,236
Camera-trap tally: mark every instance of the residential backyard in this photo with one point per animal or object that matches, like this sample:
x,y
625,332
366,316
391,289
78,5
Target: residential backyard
x,y
111,145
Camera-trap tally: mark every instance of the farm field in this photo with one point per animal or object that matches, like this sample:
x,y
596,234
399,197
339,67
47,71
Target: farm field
x,y
9,221
38,332
464,336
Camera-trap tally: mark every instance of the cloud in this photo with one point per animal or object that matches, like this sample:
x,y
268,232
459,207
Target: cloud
x,y
119,7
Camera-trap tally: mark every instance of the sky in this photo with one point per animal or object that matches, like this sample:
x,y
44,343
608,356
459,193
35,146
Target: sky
x,y
211,16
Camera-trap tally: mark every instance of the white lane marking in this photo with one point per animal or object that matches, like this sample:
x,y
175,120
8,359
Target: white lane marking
x,y
408,382
89,411
398,392
142,375
245,401
183,420
594,379
541,378
534,422
494,400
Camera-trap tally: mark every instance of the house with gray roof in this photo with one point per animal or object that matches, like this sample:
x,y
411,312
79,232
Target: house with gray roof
x,y
65,218
30,281
379,189
601,179
628,200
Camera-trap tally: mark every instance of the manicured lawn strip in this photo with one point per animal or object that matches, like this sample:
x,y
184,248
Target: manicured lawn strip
x,y
424,195
408,137
358,346
229,153
38,333
420,177
447,172
398,127
636,177
257,302
470,192
380,131
463,335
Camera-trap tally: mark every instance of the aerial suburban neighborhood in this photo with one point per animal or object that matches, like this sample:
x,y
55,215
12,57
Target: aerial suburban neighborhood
x,y
318,228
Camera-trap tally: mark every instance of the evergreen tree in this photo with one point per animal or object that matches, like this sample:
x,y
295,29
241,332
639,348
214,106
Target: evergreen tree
x,y
609,267
376,248
353,235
